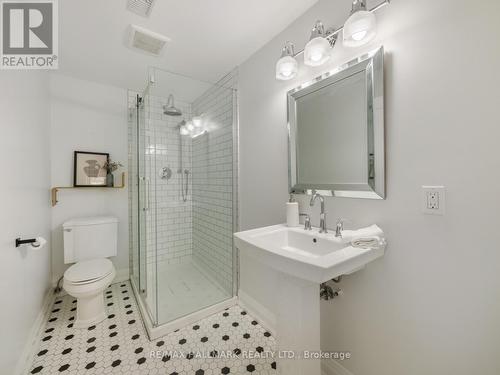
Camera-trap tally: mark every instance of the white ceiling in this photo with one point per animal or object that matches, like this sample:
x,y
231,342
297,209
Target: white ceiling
x,y
209,37
183,88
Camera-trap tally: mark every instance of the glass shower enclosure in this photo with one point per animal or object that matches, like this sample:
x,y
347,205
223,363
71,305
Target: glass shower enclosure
x,y
182,198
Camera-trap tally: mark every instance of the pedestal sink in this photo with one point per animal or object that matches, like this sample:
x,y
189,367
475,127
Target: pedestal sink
x,y
304,260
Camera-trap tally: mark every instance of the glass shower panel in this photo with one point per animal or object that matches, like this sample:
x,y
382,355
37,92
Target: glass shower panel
x,y
138,203
134,234
173,204
142,209
147,219
195,205
182,216
141,196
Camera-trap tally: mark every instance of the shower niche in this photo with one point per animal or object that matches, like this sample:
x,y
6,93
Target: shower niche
x,y
182,176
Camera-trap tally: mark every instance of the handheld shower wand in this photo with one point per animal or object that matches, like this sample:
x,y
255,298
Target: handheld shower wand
x,y
184,188
182,172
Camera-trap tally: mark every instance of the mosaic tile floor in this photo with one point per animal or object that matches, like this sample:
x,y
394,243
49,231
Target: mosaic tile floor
x,y
230,342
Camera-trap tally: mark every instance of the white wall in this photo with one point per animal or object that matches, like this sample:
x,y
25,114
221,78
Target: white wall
x,y
431,305
87,116
25,207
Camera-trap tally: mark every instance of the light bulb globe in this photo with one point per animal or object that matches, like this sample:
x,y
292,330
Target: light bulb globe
x,y
286,68
360,28
317,51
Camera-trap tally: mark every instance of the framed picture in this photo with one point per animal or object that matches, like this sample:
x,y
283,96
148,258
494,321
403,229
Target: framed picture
x,y
88,169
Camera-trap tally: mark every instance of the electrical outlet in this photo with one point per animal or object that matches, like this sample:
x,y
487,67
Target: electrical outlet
x,y
433,200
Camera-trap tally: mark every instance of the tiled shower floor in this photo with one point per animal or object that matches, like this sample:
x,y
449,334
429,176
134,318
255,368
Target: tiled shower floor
x,y
229,342
182,289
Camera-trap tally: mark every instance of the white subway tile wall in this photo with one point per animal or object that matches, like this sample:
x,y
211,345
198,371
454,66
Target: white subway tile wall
x,y
168,219
171,219
213,183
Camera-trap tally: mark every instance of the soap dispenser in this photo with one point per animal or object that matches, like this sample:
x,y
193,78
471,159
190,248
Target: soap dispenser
x,y
292,212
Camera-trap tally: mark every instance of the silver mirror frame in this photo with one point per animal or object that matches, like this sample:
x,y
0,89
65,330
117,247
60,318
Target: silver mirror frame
x,y
373,65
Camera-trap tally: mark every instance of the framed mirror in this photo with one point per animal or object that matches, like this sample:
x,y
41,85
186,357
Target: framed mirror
x,y
336,131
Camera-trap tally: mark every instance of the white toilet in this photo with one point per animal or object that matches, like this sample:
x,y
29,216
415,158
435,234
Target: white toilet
x,y
88,242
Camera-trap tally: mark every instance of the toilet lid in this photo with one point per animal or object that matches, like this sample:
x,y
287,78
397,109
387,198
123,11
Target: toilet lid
x,y
88,270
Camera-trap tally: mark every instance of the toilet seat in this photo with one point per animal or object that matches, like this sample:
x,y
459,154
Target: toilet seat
x,y
88,271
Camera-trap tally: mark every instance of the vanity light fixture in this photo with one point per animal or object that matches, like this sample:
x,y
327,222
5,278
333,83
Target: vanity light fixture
x,y
318,49
287,66
360,28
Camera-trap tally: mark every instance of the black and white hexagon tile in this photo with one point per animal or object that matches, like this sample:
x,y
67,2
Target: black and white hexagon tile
x,y
119,345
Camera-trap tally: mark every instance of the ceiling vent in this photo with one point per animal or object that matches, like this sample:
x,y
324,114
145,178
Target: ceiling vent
x,y
140,7
146,40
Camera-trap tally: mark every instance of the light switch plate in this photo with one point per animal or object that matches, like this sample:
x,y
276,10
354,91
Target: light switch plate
x,y
433,200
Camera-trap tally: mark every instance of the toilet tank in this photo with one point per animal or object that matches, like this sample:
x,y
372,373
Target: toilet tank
x,y
90,238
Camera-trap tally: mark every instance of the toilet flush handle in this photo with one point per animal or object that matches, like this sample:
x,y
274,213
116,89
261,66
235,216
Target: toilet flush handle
x,y
68,230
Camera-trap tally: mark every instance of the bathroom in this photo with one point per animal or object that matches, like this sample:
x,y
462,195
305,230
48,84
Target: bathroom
x,y
174,203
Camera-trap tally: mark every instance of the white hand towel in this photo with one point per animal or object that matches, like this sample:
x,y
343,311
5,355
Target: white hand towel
x,y
366,242
372,231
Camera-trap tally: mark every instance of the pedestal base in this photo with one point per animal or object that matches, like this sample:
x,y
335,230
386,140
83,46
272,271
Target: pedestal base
x,y
298,326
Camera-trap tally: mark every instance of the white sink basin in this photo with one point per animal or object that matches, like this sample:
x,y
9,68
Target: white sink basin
x,y
304,259
308,255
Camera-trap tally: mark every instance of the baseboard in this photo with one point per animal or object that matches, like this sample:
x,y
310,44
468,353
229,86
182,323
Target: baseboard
x,y
256,309
30,348
333,367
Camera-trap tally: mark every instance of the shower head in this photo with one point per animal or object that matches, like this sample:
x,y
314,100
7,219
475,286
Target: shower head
x,y
170,109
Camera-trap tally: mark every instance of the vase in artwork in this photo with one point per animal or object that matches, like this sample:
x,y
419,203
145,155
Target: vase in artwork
x,y
92,169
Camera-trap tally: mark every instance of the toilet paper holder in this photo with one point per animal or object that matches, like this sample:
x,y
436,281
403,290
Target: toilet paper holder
x,y
20,242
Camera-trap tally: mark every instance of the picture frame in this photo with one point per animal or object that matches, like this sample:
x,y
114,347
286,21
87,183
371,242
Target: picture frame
x,y
88,169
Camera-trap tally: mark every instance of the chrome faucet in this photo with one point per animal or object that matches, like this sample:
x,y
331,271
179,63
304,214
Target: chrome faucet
x,y
339,228
307,221
322,215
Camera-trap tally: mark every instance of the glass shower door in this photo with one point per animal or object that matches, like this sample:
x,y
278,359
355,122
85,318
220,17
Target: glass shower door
x,y
142,197
143,216
136,196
